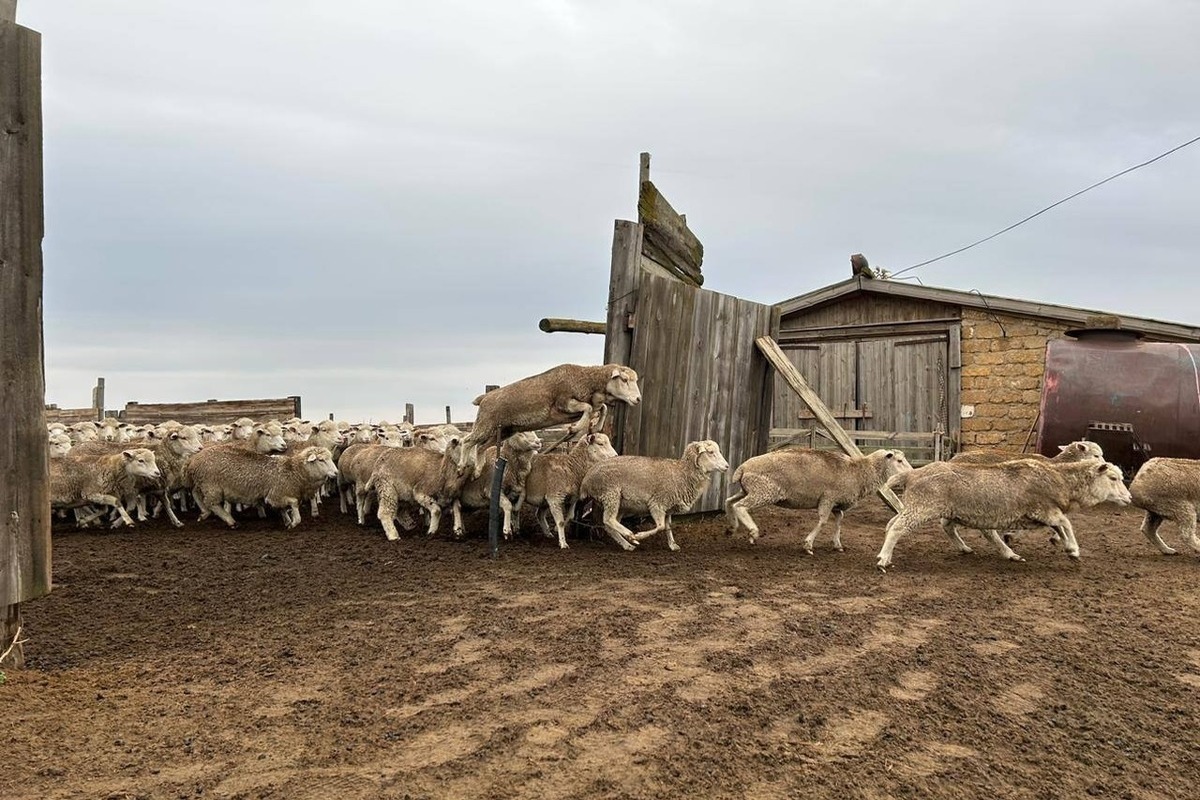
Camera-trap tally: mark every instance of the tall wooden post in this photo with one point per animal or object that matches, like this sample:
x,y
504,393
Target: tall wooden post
x,y
98,399
24,465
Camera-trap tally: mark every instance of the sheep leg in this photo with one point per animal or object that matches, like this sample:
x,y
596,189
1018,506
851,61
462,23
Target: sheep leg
x,y
598,421
583,424
541,515
824,509
386,512
1062,526
660,524
731,520
1002,545
460,530
205,513
1187,528
620,534
435,511
671,536
507,507
171,512
222,511
899,525
837,530
1150,526
294,507
313,502
343,501
951,530
112,502
555,508
362,502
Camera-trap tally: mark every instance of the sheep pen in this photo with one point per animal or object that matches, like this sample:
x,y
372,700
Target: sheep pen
x,y
327,659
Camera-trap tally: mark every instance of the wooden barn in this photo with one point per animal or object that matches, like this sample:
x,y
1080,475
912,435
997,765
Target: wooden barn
x,y
890,356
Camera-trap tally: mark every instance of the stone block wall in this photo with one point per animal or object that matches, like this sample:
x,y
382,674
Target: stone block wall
x,y
1003,362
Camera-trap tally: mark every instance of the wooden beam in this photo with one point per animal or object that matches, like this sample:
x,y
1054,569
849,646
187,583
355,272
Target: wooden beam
x,y
560,325
869,330
643,165
8,12
786,369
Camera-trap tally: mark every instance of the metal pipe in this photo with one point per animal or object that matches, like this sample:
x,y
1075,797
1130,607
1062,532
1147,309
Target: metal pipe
x,y
558,325
494,510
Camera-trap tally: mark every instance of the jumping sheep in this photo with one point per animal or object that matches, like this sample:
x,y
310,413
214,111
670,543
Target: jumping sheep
x,y
797,477
657,486
566,394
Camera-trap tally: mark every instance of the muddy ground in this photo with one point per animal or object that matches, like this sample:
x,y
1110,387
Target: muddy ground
x,y
330,663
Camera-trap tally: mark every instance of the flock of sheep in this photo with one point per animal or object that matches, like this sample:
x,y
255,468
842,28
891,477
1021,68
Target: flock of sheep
x,y
111,469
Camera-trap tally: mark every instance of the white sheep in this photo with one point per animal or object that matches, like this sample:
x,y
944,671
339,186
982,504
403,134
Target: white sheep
x,y
659,487
797,477
1015,494
221,476
1168,489
552,486
103,480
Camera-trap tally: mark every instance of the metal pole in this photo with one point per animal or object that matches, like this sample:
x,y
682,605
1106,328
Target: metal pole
x,y
494,512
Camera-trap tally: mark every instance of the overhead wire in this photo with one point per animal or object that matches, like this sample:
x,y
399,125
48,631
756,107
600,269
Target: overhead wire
x,y
1047,208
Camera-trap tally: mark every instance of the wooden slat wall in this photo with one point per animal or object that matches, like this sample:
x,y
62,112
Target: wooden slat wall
x,y
24,463
69,416
829,368
212,412
869,308
700,375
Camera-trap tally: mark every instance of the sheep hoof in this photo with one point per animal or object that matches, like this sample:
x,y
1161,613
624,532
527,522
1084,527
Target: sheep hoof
x,y
882,569
674,547
177,524
1015,557
1073,556
809,550
564,546
839,549
1170,551
966,551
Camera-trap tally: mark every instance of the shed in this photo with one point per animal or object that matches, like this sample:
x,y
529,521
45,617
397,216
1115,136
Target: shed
x,y
897,357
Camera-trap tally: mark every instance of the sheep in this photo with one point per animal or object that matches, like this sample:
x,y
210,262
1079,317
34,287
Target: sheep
x,y
1081,450
1168,489
1075,451
171,454
224,475
417,475
1015,494
60,445
358,461
99,480
325,435
519,451
796,477
658,486
83,432
241,428
552,485
568,393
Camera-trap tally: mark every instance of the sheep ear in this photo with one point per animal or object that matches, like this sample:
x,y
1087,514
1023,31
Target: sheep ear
x,y
1081,447
616,373
314,456
890,454
1102,467
1062,447
128,454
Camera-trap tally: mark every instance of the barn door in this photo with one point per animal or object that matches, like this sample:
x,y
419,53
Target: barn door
x,y
830,369
903,381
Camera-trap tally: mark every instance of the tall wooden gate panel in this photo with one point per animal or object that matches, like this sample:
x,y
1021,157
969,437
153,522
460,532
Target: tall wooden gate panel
x,y
700,374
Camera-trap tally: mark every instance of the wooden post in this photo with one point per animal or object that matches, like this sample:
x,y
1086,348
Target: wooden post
x,y
623,283
770,349
643,169
447,415
491,387
98,399
24,465
408,413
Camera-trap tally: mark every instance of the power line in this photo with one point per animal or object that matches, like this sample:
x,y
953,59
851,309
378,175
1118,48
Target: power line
x,y
1047,208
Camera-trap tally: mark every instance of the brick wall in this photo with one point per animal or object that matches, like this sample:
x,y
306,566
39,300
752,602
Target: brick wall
x,y
1002,367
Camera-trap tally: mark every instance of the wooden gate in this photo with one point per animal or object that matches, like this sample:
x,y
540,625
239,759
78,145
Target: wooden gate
x,y
700,374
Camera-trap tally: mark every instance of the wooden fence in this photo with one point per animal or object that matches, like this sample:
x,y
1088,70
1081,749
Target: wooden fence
x,y
211,412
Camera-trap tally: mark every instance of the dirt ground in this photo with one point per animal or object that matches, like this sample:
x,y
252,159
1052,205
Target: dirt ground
x,y
330,663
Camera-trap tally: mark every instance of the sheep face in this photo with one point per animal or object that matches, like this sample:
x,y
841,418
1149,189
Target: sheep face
x,y
267,442
184,442
706,455
1080,451
623,386
242,428
405,432
894,462
294,433
60,445
525,442
599,446
1107,486
140,463
318,462
430,441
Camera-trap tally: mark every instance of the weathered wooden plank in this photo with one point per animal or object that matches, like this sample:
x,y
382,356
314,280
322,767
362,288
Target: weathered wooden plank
x,y
667,238
24,465
954,390
212,411
623,281
8,11
866,330
788,372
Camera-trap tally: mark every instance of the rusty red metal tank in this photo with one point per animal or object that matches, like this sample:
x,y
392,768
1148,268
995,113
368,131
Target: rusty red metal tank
x,y
1135,399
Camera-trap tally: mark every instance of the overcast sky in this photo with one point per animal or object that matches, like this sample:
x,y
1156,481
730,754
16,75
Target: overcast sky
x,y
372,203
